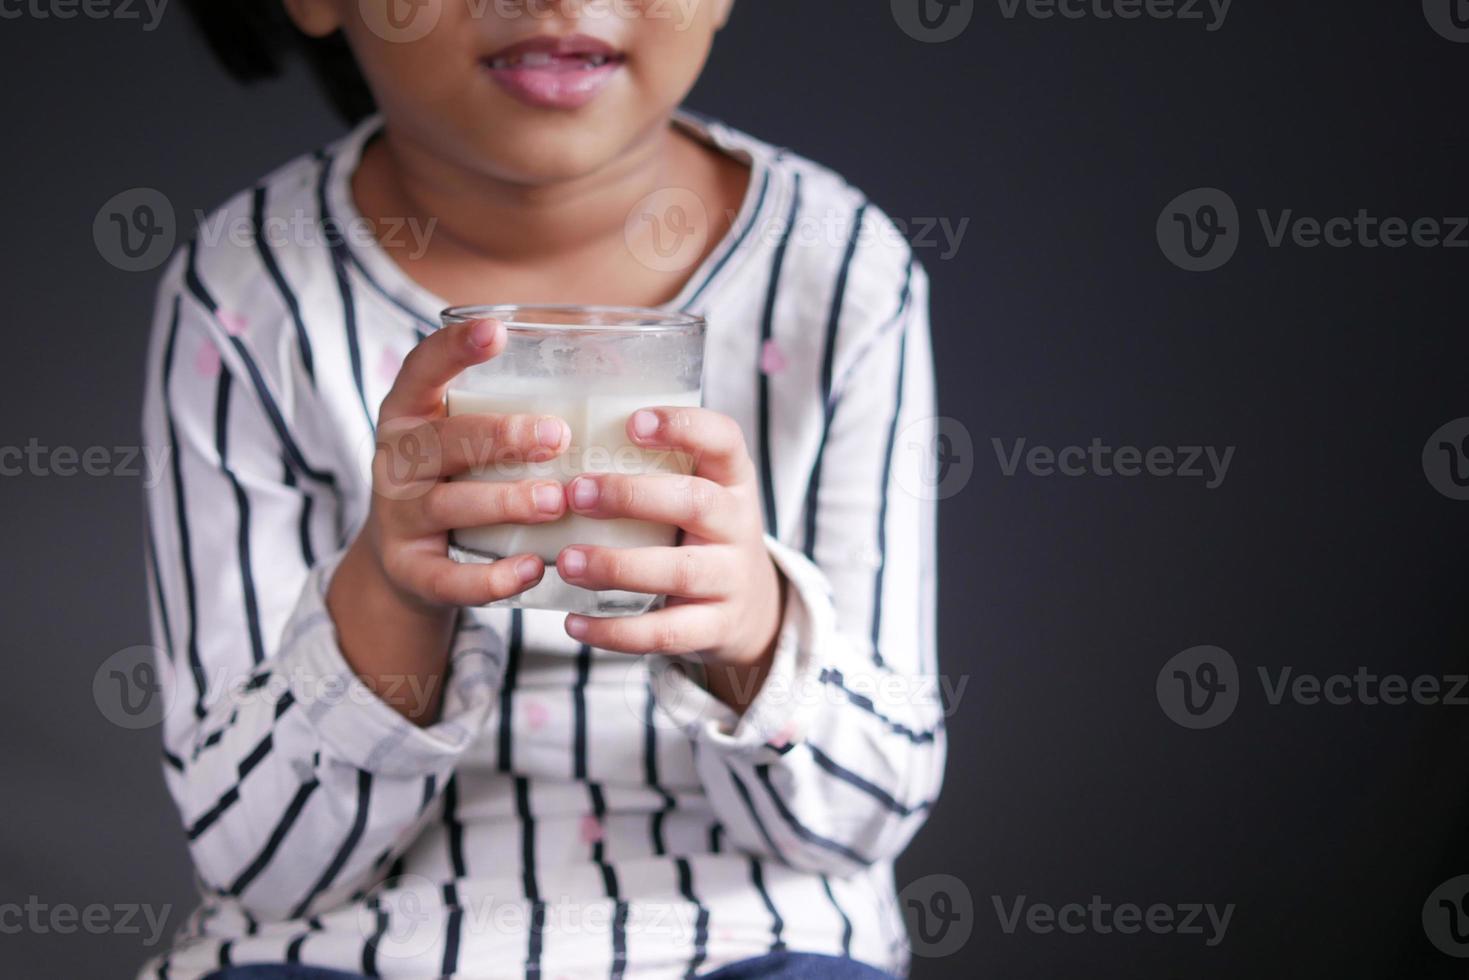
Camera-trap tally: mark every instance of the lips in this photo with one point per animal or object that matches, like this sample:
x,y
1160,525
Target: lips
x,y
555,72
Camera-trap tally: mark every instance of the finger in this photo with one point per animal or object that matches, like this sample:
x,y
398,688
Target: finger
x,y
437,360
476,503
693,503
676,630
441,581
691,573
713,440
470,442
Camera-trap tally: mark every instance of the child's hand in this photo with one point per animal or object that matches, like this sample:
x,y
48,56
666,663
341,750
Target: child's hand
x,y
725,593
414,506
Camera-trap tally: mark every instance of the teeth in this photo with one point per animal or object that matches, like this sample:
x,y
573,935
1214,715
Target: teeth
x,y
537,59
596,61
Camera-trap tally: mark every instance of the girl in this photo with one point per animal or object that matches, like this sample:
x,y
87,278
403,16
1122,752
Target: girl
x,y
376,775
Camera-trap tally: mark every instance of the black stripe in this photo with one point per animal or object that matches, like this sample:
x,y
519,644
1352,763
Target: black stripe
x,y
430,784
369,949
846,922
267,257
701,923
308,553
349,844
535,941
767,330
293,951
650,773
882,510
801,830
454,827
835,679
242,504
340,259
382,291
175,459
609,885
173,761
716,844
777,924
579,713
287,821
735,246
507,690
222,955
453,927
230,796
277,421
833,326
157,575
849,777
744,793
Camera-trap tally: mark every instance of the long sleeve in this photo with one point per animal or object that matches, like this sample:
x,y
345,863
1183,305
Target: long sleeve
x,y
295,784
836,763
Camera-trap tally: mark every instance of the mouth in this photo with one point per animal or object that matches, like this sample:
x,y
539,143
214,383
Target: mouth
x,y
555,72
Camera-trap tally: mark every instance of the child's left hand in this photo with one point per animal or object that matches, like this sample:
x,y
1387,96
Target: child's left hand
x,y
726,595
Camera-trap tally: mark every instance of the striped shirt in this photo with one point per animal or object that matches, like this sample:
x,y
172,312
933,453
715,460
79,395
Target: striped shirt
x,y
574,812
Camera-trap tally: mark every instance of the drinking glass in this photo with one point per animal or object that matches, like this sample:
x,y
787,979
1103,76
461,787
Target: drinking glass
x,y
592,366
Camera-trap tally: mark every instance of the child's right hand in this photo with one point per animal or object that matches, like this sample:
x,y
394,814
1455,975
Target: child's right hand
x,y
415,505
393,596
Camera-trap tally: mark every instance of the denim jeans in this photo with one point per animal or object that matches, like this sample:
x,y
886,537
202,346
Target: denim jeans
x,y
776,966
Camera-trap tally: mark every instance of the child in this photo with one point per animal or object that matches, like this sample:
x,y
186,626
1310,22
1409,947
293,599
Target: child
x,y
378,776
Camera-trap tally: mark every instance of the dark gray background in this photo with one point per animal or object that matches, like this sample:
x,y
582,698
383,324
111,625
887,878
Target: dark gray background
x,y
1326,549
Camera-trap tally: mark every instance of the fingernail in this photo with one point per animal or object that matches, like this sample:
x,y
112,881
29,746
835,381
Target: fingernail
x,y
548,497
549,431
574,562
482,334
576,626
644,424
584,492
528,569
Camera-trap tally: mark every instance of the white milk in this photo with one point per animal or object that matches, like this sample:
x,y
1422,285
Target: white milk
x,y
599,444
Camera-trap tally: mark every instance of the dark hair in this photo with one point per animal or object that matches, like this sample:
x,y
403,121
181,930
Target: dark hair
x,y
253,38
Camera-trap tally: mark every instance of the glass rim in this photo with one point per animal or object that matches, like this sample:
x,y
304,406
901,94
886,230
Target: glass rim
x,y
637,319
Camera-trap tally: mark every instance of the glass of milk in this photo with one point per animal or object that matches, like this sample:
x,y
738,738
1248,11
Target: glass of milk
x,y
592,366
